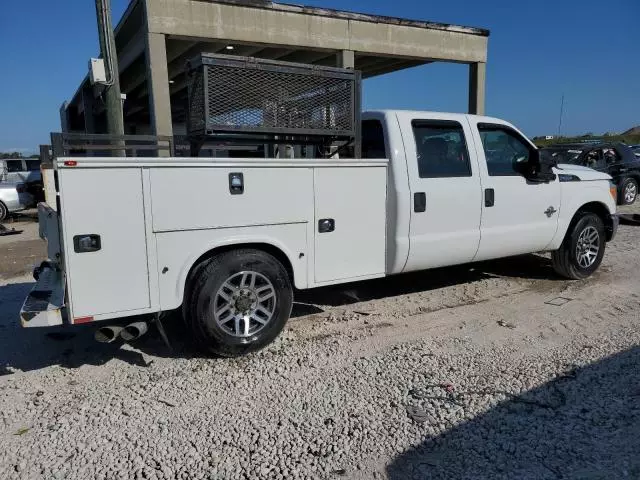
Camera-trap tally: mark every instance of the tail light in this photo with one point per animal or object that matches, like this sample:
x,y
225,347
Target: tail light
x,y
21,188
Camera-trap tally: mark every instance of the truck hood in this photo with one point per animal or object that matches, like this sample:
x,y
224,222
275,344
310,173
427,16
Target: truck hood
x,y
583,173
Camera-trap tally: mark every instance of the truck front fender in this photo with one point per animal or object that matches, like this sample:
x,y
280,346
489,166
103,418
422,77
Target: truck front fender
x,y
580,196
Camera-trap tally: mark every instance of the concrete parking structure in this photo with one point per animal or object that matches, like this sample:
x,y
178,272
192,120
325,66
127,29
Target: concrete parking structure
x,y
155,38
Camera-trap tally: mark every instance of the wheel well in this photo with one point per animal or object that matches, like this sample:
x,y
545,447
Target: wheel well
x,y
601,211
264,247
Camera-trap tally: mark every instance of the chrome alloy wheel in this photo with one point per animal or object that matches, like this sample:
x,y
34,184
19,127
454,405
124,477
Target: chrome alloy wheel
x,y
245,304
630,192
588,247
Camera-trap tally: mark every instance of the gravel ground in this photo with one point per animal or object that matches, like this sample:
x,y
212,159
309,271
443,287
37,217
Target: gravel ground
x,y
495,370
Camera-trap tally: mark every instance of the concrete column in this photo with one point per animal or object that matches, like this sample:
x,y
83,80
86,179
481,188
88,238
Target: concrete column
x,y
346,59
477,79
158,84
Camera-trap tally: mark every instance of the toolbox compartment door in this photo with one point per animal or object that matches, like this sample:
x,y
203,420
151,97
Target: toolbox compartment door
x,y
350,223
104,240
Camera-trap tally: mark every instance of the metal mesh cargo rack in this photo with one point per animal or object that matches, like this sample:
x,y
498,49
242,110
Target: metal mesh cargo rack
x,y
251,100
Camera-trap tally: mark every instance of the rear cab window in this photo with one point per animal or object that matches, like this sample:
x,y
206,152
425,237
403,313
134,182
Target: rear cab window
x,y
441,149
373,143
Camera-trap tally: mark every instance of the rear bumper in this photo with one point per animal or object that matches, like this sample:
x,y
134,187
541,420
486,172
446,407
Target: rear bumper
x,y
44,306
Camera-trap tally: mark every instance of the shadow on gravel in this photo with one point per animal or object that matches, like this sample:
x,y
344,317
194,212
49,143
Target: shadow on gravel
x,y
584,424
29,349
32,349
528,267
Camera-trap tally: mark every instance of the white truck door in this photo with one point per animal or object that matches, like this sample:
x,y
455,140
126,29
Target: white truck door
x,y
445,191
518,216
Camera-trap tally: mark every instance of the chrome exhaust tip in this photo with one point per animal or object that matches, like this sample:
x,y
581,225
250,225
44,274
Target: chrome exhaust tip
x,y
107,334
134,331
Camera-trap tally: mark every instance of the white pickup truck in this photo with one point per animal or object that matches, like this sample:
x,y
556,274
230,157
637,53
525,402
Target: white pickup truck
x,y
226,240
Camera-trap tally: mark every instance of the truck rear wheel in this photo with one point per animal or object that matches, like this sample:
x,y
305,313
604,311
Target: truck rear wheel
x,y
583,248
4,212
239,302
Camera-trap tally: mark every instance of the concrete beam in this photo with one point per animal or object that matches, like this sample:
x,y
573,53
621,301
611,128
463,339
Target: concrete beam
x,y
176,48
307,56
158,84
131,51
391,67
88,101
477,80
346,59
133,77
298,28
176,67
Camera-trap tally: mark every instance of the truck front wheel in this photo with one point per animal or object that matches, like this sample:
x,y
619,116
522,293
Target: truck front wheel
x,y
628,191
239,302
582,250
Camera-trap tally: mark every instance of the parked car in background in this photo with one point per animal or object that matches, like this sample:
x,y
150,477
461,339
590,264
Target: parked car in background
x,y
26,171
20,170
617,159
13,198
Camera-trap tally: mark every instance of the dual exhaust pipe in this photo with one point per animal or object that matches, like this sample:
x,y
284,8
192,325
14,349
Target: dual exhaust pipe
x,y
131,332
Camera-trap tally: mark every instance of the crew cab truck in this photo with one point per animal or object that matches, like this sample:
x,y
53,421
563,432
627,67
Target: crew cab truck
x,y
227,240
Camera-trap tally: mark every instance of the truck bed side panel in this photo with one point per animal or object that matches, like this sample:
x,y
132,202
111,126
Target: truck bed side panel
x,y
108,203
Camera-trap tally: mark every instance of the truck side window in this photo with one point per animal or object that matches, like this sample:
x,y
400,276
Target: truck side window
x,y
373,145
501,149
441,148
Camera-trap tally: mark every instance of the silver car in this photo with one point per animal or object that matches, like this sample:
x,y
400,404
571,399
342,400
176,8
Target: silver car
x,y
13,198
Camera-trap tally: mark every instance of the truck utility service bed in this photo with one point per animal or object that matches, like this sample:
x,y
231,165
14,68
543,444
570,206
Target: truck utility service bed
x,y
129,230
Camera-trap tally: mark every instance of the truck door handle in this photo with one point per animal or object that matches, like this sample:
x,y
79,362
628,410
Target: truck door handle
x,y
326,225
419,202
489,197
87,243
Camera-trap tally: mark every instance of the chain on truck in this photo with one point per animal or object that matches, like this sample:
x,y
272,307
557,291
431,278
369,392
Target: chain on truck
x,y
286,186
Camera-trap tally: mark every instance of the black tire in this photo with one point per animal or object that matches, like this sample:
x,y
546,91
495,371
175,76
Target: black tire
x,y
4,212
628,191
565,259
202,293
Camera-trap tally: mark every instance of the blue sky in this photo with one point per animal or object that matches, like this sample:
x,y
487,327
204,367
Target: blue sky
x,y
538,50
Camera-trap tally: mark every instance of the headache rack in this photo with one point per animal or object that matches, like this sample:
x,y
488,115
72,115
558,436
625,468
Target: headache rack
x,y
256,101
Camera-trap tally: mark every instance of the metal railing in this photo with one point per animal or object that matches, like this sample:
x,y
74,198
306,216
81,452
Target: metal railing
x,y
89,144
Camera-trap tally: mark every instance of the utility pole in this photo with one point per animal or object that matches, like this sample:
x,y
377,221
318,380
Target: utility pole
x,y
561,114
112,98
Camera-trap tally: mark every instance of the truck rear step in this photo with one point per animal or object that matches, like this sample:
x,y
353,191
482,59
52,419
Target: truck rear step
x,y
44,305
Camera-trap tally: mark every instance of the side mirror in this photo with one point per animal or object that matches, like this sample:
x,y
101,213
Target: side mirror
x,y
522,165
